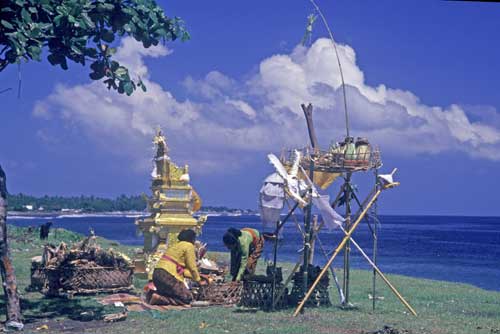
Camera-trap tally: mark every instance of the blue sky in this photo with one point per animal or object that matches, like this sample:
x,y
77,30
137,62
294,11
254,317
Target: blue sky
x,y
423,85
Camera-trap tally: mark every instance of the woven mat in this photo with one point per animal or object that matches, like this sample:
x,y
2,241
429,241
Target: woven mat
x,y
136,304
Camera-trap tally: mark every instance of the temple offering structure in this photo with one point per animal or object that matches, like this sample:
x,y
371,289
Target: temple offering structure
x,y
171,206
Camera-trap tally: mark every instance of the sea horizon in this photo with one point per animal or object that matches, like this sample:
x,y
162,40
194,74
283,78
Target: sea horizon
x,y
41,215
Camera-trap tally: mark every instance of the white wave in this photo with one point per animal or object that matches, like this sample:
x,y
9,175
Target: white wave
x,y
135,215
127,214
30,217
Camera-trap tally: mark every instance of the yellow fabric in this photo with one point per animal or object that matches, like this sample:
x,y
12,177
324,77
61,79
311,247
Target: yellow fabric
x,y
182,252
321,179
196,201
324,179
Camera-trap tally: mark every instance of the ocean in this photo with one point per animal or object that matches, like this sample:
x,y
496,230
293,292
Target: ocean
x,y
457,249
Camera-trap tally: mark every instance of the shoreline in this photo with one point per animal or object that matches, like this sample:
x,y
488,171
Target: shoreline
x,y
132,214
129,214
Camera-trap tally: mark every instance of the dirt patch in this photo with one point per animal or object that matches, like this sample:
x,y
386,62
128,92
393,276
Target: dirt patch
x,y
389,330
64,326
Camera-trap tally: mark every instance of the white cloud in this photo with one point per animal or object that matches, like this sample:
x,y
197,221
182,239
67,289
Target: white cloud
x,y
225,119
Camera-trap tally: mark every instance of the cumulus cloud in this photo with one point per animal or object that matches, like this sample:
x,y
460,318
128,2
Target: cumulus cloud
x,y
225,120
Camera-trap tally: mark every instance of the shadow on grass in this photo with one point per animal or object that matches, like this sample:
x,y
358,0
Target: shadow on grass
x,y
78,309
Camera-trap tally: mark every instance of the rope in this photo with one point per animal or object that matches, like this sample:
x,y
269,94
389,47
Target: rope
x,y
338,62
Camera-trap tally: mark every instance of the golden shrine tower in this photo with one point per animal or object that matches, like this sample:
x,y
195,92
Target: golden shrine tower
x,y
171,205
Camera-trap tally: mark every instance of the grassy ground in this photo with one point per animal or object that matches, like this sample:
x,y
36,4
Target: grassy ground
x,y
443,307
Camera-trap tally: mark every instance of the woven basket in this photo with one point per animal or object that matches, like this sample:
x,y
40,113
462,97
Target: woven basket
x,y
260,295
221,293
83,279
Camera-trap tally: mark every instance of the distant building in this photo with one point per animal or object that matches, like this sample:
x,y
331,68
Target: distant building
x,y
29,207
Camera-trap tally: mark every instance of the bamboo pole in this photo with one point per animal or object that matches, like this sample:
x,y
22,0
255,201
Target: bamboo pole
x,y
279,225
288,280
338,249
313,240
275,255
374,255
393,289
347,247
332,270
308,233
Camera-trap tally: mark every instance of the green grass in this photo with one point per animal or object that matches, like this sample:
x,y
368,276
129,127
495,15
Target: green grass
x,y
442,307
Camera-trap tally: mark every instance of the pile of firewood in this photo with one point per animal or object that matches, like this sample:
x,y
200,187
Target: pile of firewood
x,y
86,253
83,268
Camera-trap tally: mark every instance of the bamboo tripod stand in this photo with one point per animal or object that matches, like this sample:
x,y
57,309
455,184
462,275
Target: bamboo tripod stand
x,y
347,238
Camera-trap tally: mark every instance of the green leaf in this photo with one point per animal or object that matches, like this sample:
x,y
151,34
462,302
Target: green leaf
x,y
16,44
114,65
185,36
97,66
57,19
76,49
35,32
110,51
11,56
128,87
7,24
26,16
105,6
110,83
88,21
127,27
91,52
107,36
121,71
64,64
34,52
142,85
54,58
44,26
96,75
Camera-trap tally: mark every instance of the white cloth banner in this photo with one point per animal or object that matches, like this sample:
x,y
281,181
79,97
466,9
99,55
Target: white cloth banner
x,y
271,200
331,218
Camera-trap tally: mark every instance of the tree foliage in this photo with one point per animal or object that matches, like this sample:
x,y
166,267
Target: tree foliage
x,y
83,31
18,202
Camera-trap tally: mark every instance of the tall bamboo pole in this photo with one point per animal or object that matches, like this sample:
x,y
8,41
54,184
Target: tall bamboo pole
x,y
338,63
393,289
332,270
337,250
279,225
275,255
287,281
308,233
313,240
374,255
347,248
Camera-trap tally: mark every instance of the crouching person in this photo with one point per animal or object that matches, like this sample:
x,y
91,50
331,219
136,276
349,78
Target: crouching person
x,y
246,246
178,262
